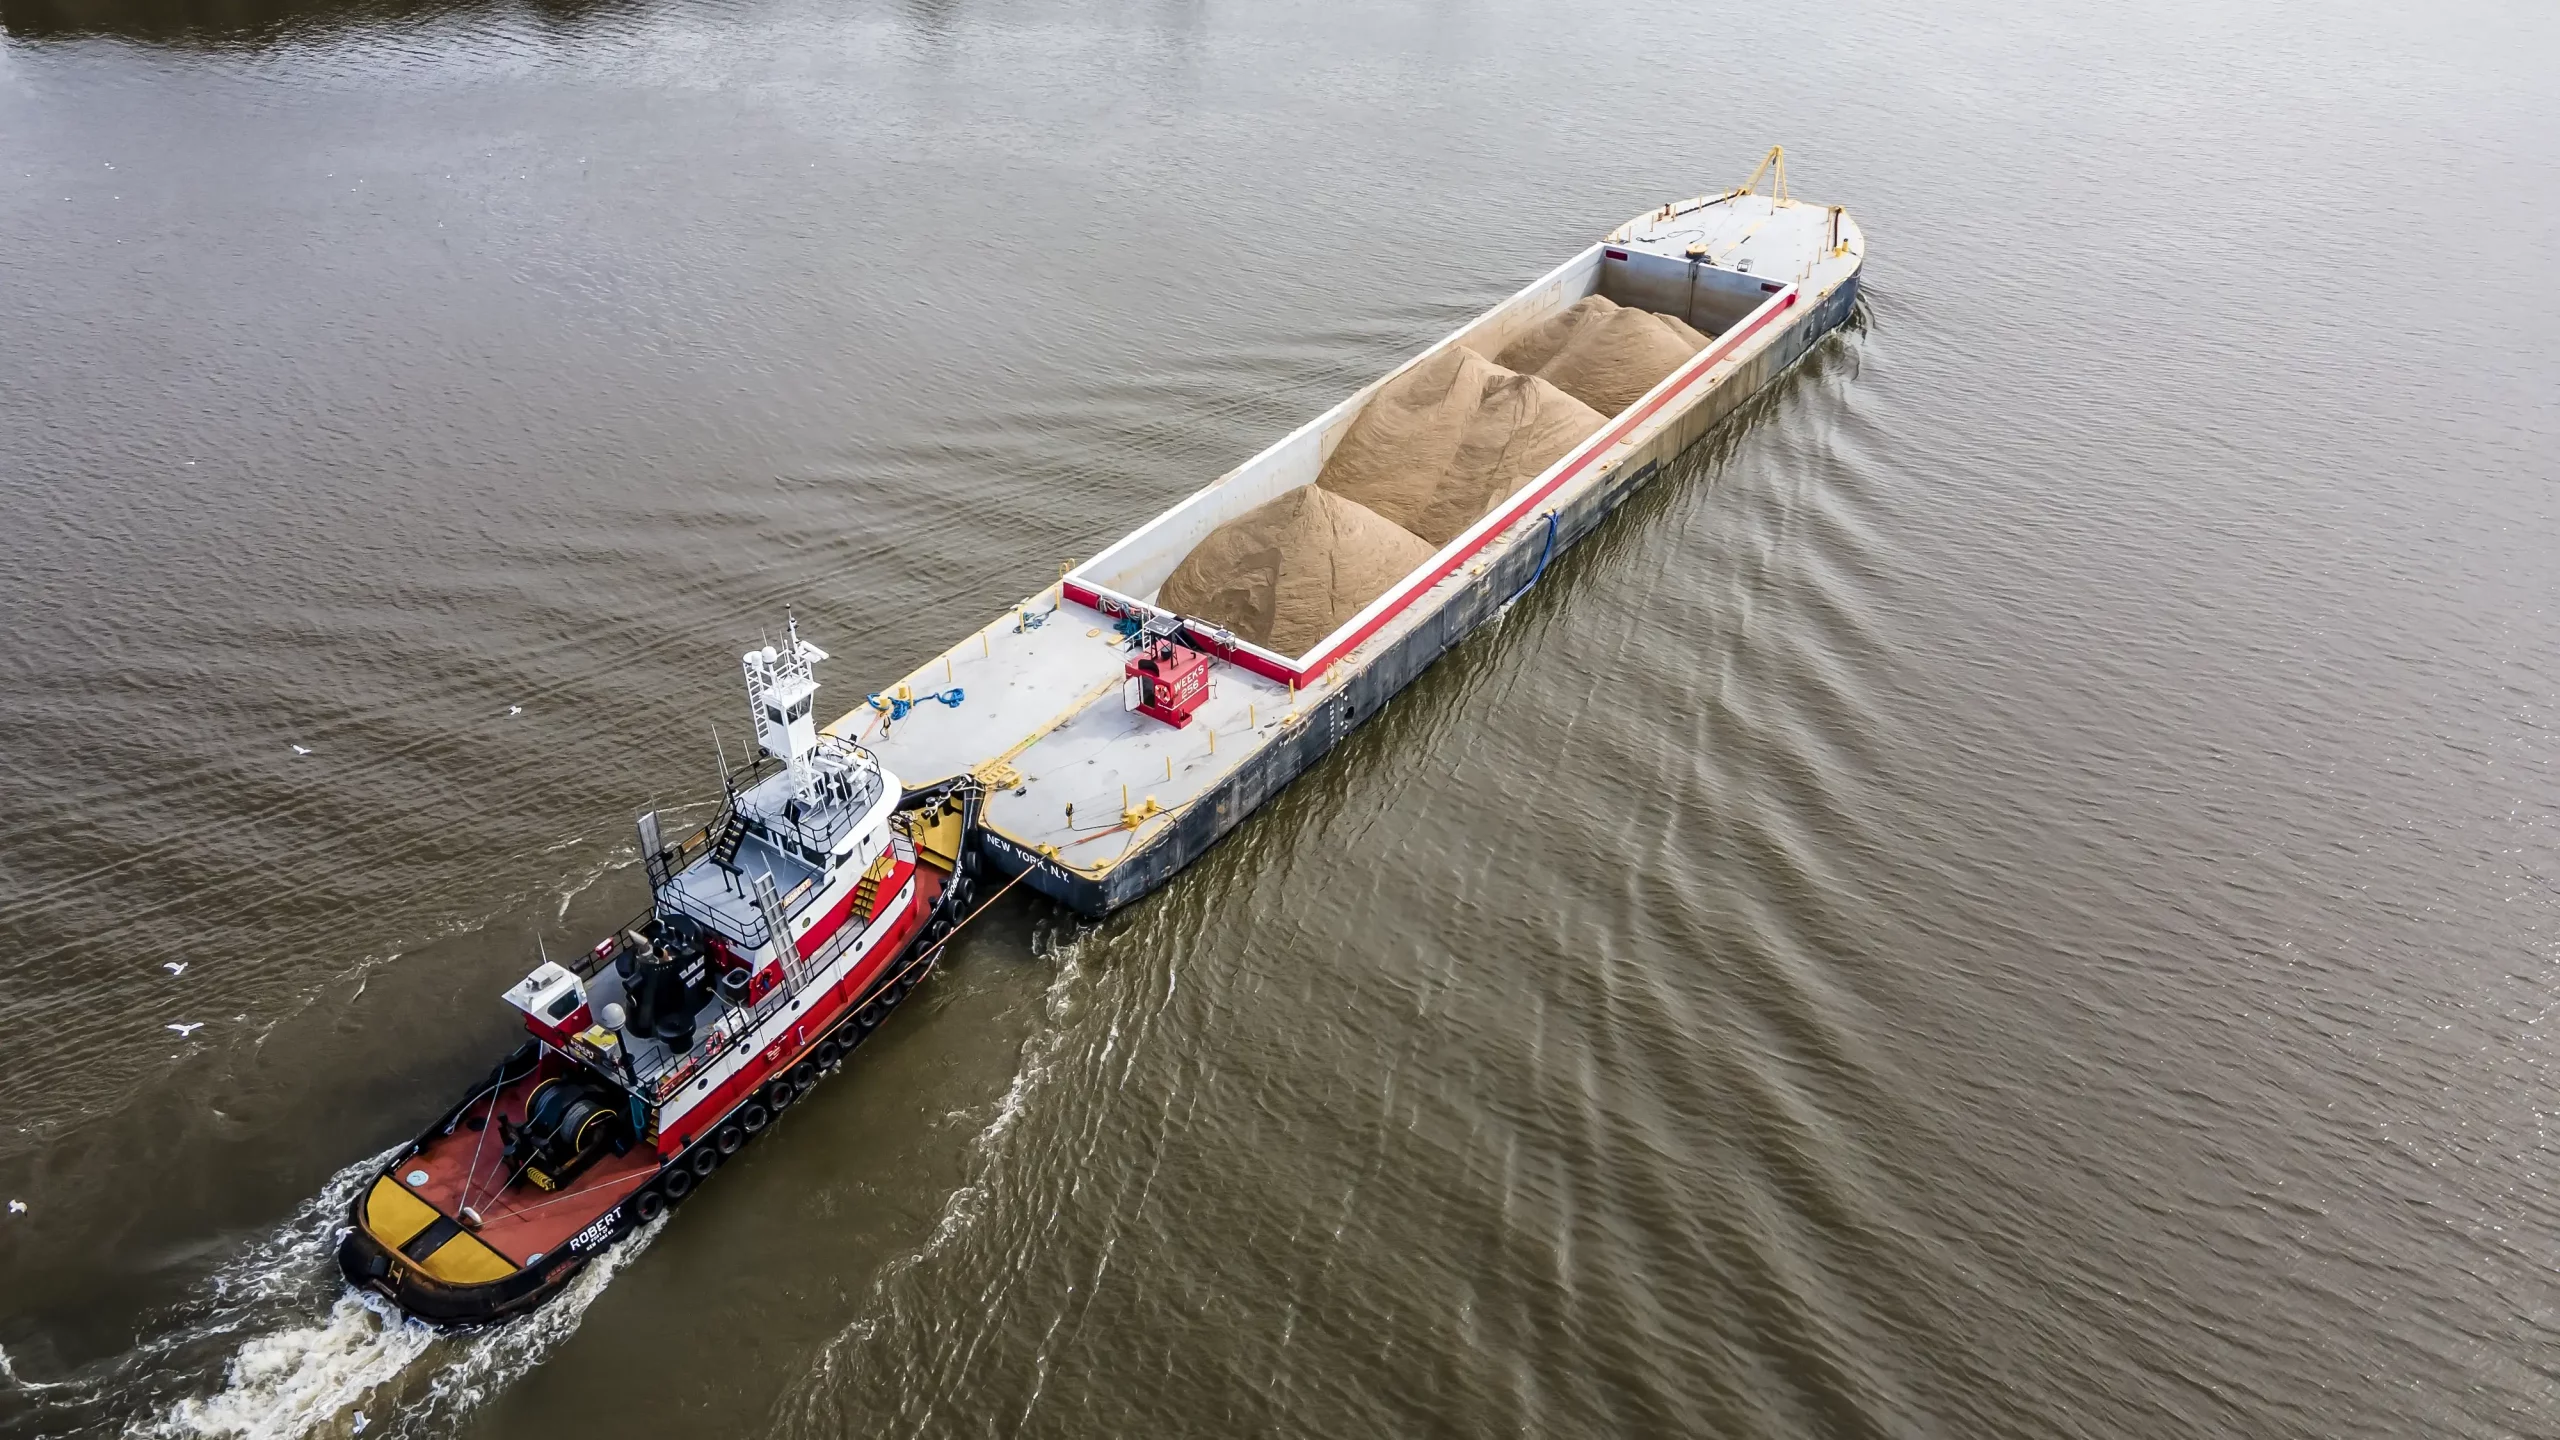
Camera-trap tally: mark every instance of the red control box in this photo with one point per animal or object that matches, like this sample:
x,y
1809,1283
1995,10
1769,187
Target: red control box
x,y
1167,681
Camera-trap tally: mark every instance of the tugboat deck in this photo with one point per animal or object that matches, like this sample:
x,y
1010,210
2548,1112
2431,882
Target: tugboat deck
x,y
464,1166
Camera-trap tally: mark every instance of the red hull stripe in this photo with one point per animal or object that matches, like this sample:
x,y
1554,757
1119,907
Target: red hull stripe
x,y
704,1115
834,919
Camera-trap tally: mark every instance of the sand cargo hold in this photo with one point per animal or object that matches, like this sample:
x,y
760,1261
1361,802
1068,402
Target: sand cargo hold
x,y
1120,722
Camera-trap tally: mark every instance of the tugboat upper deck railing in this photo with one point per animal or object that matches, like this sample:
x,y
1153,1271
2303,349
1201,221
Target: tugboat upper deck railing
x,y
667,1072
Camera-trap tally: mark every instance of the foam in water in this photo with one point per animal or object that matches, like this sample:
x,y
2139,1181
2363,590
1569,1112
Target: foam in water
x,y
297,1381
362,1368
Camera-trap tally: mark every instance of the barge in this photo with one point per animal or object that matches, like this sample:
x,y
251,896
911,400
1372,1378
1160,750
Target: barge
x,y
1089,743
1096,798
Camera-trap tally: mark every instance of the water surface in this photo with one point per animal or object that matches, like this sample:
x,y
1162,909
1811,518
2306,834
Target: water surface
x,y
2011,895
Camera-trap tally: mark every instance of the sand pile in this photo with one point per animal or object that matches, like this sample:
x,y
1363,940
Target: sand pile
x,y
1441,444
1604,354
1286,574
1429,455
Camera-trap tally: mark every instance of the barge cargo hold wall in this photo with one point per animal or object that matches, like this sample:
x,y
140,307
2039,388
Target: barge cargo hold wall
x,y
1366,687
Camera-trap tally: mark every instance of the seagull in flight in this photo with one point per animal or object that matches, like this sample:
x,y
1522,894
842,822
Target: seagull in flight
x,y
186,1030
175,967
17,1207
301,749
515,709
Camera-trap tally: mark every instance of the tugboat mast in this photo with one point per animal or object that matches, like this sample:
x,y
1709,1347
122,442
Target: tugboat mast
x,y
781,688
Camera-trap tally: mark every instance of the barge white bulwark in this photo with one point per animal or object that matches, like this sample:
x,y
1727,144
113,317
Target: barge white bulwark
x,y
1099,799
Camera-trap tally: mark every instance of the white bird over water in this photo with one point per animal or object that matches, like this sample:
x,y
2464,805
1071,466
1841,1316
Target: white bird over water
x,y
186,1030
17,1207
515,709
175,967
301,749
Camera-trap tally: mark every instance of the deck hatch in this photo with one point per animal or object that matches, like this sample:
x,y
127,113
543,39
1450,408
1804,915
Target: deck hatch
x,y
394,1215
426,1242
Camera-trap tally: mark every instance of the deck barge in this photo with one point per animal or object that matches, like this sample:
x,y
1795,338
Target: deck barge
x,y
1095,804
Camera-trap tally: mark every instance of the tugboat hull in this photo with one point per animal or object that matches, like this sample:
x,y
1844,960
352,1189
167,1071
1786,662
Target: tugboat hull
x,y
454,1235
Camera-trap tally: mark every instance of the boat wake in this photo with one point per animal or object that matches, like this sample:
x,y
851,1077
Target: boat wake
x,y
307,1356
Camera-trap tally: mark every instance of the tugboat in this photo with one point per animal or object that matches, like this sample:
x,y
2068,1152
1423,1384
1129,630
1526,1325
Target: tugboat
x,y
779,934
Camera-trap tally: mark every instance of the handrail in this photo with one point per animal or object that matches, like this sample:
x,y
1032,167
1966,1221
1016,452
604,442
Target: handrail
x,y
753,936
722,1042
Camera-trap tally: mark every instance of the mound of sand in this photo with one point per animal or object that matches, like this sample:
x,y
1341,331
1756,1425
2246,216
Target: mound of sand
x,y
1429,455
1439,445
1521,426
1541,341
1286,574
1695,338
1604,354
1404,440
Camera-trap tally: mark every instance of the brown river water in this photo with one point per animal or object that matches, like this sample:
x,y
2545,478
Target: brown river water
x,y
2016,893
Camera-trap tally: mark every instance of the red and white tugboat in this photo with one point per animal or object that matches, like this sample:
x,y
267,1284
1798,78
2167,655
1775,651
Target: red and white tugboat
x,y
778,935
